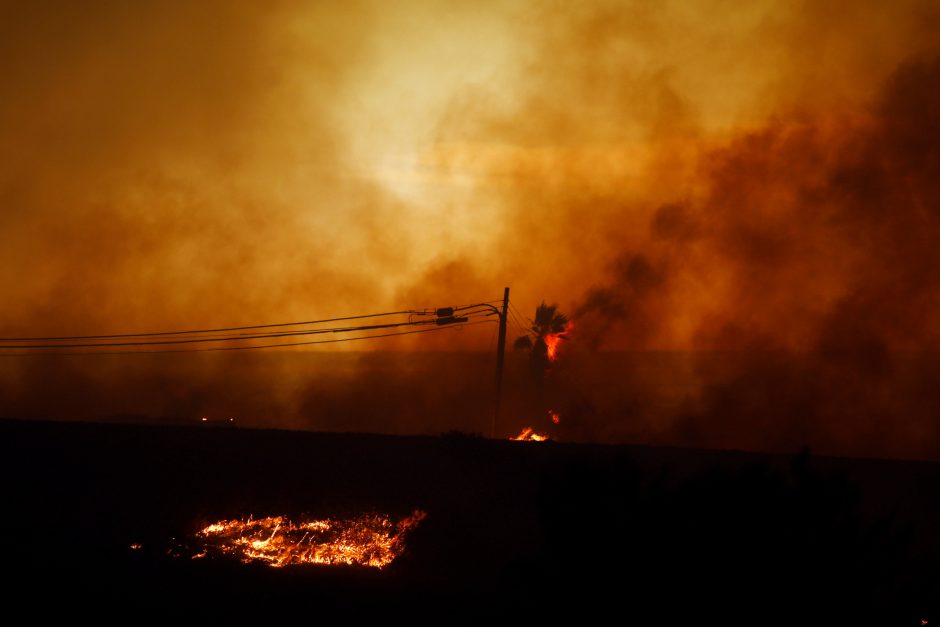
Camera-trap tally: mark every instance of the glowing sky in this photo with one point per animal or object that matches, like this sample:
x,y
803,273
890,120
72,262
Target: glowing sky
x,y
168,165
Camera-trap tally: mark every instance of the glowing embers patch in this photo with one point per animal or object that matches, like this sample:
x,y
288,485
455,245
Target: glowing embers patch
x,y
371,540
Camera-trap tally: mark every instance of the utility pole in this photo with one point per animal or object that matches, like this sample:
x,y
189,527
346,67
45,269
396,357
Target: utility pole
x,y
500,358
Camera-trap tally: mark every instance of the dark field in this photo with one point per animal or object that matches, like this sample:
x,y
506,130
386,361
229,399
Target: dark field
x,y
659,534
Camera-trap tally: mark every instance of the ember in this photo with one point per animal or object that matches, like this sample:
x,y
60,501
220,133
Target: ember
x,y
370,540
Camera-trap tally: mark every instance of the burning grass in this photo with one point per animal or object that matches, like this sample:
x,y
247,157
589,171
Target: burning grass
x,y
372,540
530,435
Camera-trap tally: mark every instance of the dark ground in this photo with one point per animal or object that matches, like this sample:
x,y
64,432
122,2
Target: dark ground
x,y
653,535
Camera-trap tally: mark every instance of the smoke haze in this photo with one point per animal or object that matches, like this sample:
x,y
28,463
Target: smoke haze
x,y
738,207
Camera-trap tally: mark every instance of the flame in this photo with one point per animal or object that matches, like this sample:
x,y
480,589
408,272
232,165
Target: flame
x,y
553,341
530,435
554,416
370,540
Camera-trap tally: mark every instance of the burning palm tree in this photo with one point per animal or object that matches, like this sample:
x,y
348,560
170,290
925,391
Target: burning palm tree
x,y
542,339
547,330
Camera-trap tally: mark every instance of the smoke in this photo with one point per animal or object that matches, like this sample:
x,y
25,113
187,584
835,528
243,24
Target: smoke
x,y
807,236
745,197
182,167
777,245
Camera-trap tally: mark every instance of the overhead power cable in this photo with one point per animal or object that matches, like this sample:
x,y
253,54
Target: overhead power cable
x,y
216,339
196,331
222,329
200,340
517,319
441,318
252,346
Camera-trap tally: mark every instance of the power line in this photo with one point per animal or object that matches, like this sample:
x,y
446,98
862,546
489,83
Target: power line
x,y
442,319
247,336
488,305
240,337
216,339
517,318
250,347
223,329
515,322
493,336
197,331
515,310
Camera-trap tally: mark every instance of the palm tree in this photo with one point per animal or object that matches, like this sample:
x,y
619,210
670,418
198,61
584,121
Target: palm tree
x,y
547,329
542,338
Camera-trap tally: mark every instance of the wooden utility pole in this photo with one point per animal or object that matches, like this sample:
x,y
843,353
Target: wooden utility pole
x,y
500,358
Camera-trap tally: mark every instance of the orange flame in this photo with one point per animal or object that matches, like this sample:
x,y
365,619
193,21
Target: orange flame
x,y
530,435
554,416
370,540
553,341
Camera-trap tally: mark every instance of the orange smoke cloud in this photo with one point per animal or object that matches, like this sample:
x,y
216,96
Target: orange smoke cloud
x,y
678,177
